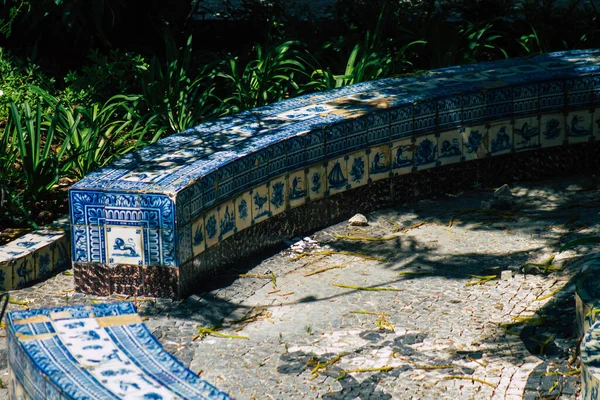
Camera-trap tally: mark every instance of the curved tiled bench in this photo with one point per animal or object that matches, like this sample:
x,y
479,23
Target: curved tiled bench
x,y
97,352
158,220
35,256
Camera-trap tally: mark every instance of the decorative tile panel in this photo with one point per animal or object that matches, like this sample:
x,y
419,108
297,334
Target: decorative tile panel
x,y
7,275
243,211
295,150
450,147
425,153
260,203
212,227
316,177
379,162
401,122
297,188
449,112
94,352
124,245
474,108
278,195
500,136
379,127
579,126
526,133
525,99
337,175
402,156
552,129
358,169
425,117
198,236
552,96
579,92
227,225
315,146
474,140
499,103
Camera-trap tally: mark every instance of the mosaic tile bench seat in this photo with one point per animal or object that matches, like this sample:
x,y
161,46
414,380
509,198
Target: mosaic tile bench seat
x,y
158,221
97,352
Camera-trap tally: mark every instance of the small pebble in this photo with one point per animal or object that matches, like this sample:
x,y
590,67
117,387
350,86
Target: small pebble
x,y
358,220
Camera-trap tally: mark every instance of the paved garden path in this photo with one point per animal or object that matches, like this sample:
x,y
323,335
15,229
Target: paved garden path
x,y
305,328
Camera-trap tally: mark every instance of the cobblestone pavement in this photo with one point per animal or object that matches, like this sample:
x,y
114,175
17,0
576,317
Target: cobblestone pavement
x,y
305,328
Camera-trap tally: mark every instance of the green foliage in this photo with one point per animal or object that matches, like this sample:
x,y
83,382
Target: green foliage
x,y
15,77
115,72
272,75
40,148
176,98
98,133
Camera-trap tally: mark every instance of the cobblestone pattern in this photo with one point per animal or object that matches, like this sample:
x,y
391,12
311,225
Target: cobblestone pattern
x,y
439,335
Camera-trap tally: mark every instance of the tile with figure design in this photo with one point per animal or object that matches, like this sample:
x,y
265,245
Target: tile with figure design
x,y
6,275
402,156
211,227
198,236
526,133
243,211
474,140
316,180
552,129
358,169
379,162
425,153
261,206
579,126
124,245
449,147
297,188
278,195
337,175
500,136
226,219
43,264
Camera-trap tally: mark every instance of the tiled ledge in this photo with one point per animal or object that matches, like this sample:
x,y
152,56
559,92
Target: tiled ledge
x,y
158,220
35,256
94,352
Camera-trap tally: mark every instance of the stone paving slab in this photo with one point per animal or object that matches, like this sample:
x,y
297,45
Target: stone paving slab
x,y
438,332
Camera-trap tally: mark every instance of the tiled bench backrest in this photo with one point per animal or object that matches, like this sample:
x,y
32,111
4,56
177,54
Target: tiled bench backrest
x,y
158,210
94,352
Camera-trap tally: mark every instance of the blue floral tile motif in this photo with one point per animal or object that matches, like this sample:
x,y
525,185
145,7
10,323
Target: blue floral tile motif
x,y
525,99
316,180
500,137
358,169
425,153
157,210
449,147
579,126
278,195
243,211
337,175
226,220
552,96
526,133
86,207
198,236
552,129
473,139
449,112
260,203
401,122
44,262
212,227
379,162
